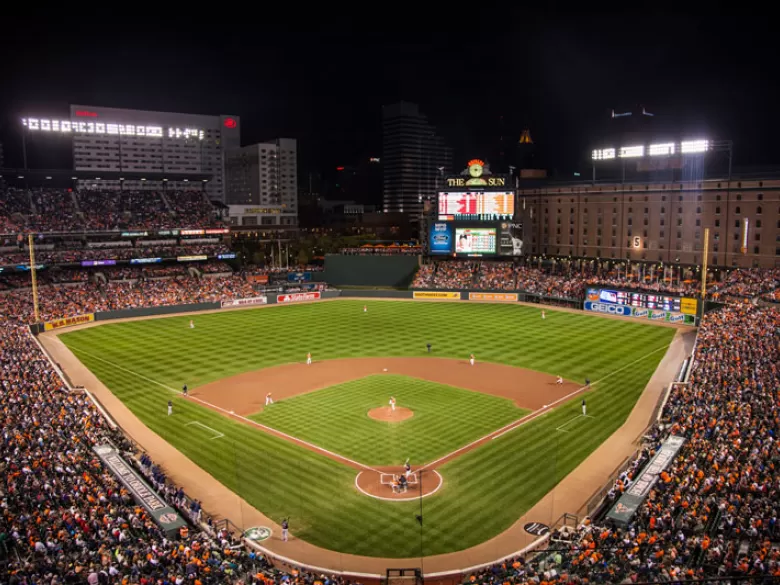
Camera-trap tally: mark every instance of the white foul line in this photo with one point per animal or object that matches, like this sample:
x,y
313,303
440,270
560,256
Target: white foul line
x,y
217,434
269,430
521,421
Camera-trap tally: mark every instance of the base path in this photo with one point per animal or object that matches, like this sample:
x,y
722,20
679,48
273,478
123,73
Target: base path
x,y
569,496
245,393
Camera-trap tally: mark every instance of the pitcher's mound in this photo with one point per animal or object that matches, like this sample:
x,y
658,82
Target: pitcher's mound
x,y
387,414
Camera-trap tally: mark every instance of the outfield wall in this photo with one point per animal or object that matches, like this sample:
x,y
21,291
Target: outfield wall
x,y
152,311
386,271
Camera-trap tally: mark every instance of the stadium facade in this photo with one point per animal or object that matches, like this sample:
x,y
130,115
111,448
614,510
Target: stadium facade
x,y
656,222
145,150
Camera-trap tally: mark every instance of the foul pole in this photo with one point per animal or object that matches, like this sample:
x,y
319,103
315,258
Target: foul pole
x,y
704,263
34,275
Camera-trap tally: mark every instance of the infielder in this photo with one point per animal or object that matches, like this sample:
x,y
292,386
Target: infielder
x,y
185,390
269,399
308,359
472,360
559,380
170,408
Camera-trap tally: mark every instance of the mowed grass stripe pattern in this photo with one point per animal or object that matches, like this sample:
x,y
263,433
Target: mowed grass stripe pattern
x,y
573,345
336,418
485,490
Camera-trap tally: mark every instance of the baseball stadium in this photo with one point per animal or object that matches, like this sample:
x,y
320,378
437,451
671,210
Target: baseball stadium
x,y
452,409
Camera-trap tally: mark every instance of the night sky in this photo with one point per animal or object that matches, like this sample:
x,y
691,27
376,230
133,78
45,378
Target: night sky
x,y
558,75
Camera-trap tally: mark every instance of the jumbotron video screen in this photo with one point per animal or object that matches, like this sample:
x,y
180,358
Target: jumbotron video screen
x,y
475,241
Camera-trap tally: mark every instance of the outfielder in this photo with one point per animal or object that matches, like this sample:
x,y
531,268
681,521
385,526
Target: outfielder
x,y
308,359
472,360
365,309
192,324
268,399
170,407
543,316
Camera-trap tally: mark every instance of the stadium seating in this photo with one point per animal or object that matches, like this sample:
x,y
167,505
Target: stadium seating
x,y
737,285
714,512
64,210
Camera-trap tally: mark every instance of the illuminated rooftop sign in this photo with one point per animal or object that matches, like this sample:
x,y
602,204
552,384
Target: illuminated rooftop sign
x,y
661,149
110,129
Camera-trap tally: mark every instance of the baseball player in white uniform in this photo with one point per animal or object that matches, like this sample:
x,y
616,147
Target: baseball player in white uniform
x,y
544,315
269,399
472,359
308,359
559,380
392,403
192,324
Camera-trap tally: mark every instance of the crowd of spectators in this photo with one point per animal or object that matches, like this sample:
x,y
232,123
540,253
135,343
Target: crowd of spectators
x,y
192,209
64,517
713,513
64,210
214,267
56,302
736,285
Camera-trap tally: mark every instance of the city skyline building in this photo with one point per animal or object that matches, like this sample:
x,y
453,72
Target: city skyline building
x,y
414,159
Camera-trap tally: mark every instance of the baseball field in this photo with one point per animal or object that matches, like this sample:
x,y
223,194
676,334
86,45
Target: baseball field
x,y
487,441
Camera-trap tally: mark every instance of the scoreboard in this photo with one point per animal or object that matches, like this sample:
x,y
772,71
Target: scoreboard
x,y
479,205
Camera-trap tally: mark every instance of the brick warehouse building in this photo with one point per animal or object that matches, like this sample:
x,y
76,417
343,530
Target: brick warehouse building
x,y
656,221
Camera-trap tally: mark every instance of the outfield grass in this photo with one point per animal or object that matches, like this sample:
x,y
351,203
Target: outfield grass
x,y
485,490
445,418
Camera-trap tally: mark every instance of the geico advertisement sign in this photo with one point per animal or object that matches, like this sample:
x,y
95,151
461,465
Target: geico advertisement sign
x,y
297,297
608,309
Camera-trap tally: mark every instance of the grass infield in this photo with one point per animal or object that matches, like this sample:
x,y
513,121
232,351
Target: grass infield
x,y
485,490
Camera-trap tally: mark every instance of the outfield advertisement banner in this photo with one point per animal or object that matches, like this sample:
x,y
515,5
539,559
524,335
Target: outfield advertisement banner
x,y
166,516
433,294
262,300
495,297
639,313
298,297
69,322
632,498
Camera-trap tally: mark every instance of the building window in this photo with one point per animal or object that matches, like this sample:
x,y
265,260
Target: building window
x,y
758,210
758,223
737,210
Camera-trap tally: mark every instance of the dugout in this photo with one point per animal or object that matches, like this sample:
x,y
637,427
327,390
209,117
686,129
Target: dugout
x,y
374,270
